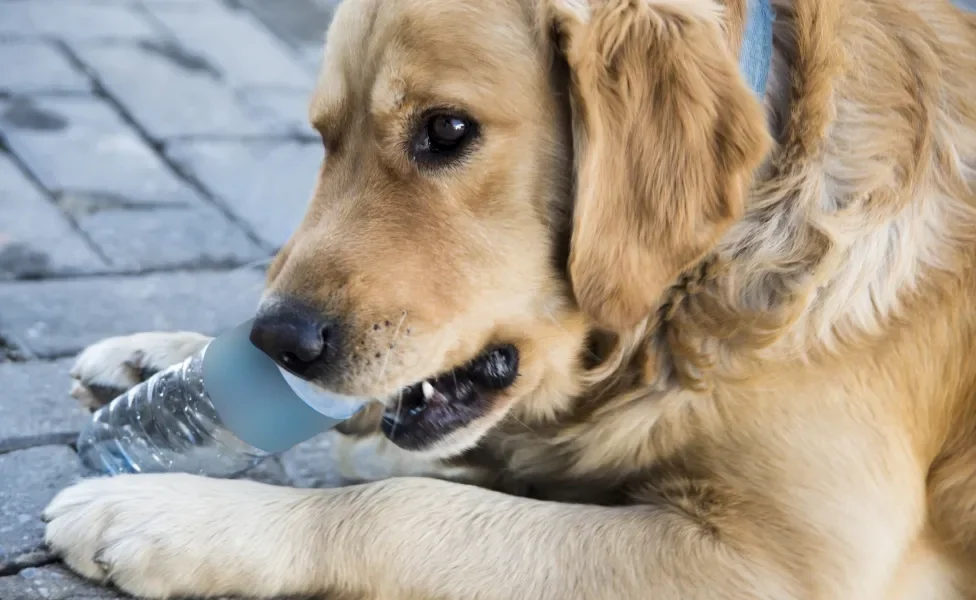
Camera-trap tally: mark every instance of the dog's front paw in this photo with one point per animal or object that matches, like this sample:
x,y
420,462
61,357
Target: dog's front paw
x,y
167,536
112,366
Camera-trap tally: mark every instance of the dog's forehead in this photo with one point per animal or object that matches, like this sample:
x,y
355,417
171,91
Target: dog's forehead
x,y
378,51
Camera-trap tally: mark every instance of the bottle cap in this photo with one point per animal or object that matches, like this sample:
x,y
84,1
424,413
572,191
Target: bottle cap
x,y
262,404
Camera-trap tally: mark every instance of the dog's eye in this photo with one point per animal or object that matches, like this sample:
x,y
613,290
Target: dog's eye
x,y
441,138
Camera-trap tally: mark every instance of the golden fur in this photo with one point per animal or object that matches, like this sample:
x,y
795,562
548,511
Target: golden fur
x,y
746,327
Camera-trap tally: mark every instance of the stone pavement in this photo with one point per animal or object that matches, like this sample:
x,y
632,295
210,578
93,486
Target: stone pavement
x,y
153,155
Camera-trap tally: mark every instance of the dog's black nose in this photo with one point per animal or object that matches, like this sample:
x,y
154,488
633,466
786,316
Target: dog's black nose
x,y
297,336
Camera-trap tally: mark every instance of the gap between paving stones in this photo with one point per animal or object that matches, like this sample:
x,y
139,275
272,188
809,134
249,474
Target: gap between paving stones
x,y
66,438
196,267
203,268
158,146
31,560
19,163
12,352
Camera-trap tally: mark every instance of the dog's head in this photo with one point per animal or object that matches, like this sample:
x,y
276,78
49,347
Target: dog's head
x,y
500,177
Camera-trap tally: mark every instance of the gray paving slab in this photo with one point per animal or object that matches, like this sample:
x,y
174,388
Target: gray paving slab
x,y
129,203
329,460
326,4
53,582
59,318
12,350
312,57
267,185
201,236
290,107
172,93
73,20
300,23
15,588
235,43
35,404
83,145
269,471
38,68
312,464
36,239
30,479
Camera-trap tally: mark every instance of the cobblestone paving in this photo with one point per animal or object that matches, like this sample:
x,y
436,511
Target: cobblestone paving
x,y
153,156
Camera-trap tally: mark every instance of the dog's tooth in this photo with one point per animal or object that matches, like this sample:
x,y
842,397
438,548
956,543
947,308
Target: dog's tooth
x,y
428,390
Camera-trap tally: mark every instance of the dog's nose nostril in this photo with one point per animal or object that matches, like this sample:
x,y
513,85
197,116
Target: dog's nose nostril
x,y
296,336
295,362
303,346
326,333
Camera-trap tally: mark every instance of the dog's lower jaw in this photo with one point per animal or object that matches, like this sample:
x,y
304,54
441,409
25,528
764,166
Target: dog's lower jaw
x,y
445,411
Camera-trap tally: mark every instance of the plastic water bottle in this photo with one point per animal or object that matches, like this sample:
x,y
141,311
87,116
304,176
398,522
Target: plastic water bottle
x,y
218,413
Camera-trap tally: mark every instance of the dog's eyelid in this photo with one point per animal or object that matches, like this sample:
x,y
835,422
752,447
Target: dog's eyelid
x,y
446,108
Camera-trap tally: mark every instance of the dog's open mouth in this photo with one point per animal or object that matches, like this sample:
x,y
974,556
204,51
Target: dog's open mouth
x,y
431,409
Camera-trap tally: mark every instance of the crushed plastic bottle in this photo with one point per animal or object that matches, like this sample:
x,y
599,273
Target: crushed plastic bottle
x,y
219,413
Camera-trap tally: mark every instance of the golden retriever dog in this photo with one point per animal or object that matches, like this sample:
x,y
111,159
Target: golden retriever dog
x,y
669,338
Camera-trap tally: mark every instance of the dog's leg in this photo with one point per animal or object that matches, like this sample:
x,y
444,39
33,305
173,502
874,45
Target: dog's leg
x,y
110,367
168,536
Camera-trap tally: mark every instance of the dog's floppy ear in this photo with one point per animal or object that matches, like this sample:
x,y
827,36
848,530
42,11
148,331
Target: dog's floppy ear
x,y
667,134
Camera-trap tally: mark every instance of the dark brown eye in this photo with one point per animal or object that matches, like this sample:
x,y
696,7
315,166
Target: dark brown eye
x,y
446,131
441,138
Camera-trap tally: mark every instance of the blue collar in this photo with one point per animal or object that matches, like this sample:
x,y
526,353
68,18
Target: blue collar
x,y
757,45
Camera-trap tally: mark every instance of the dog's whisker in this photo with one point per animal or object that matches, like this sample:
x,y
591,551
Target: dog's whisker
x,y
261,262
386,362
396,415
522,423
396,334
563,327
